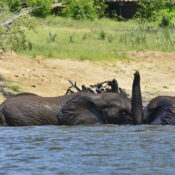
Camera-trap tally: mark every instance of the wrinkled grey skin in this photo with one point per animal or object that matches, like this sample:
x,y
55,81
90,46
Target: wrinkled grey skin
x,y
160,111
136,101
105,108
29,109
79,108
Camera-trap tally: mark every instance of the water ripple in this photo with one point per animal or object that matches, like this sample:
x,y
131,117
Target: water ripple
x,y
106,149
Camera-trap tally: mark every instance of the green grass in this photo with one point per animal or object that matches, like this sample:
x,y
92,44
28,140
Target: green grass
x,y
98,24
13,86
165,87
16,88
101,39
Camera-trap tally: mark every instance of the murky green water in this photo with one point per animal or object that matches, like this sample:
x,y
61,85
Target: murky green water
x,y
87,150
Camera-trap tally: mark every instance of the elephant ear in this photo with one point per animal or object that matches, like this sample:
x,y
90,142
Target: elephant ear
x,y
83,109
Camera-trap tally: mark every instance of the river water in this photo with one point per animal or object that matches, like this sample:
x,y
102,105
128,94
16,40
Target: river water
x,y
106,149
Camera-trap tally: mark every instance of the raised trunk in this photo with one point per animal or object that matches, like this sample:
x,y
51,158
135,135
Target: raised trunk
x,y
114,86
136,102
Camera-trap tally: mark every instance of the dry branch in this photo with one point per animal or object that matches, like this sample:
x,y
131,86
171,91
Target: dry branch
x,y
73,85
58,5
9,22
103,87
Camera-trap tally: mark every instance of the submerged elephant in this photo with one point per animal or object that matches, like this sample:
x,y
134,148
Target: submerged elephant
x,y
29,109
159,111
78,108
105,108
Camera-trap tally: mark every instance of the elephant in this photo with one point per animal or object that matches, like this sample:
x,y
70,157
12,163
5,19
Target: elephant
x,y
28,109
84,108
159,111
104,108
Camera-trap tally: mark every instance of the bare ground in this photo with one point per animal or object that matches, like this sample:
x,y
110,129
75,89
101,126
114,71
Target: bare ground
x,y
48,77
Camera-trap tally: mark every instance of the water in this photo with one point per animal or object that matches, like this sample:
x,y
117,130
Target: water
x,y
104,150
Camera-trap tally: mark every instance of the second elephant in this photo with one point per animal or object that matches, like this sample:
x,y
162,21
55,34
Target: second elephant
x,y
159,111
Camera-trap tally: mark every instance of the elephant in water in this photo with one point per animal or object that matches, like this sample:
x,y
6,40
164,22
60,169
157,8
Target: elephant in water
x,y
105,108
73,109
28,109
159,111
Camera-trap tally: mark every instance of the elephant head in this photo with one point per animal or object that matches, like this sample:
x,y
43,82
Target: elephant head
x,y
106,108
111,108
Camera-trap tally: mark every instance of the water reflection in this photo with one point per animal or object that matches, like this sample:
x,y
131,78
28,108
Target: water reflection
x,y
106,149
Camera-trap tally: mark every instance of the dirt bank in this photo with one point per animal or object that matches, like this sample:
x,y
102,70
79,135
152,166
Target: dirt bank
x,y
48,77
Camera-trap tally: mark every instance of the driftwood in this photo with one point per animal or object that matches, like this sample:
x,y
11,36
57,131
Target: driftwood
x,y
73,85
28,11
9,22
103,87
58,5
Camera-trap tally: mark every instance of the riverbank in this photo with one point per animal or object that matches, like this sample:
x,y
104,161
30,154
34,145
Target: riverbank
x,y
49,77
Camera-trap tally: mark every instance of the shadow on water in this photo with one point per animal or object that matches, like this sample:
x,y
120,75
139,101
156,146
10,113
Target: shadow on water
x,y
105,149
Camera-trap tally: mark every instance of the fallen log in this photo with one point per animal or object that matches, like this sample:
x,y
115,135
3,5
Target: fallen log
x,y
58,5
28,11
24,13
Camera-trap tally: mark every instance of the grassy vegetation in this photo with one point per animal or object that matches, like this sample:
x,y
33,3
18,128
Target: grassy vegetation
x,y
9,88
13,86
16,88
101,39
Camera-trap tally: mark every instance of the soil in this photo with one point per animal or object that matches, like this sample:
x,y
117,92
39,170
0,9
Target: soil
x,y
49,77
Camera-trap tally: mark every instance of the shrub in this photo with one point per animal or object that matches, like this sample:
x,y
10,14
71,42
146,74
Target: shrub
x,y
3,6
4,9
14,38
52,36
165,17
80,9
72,38
100,8
83,9
165,21
45,9
148,8
14,5
102,35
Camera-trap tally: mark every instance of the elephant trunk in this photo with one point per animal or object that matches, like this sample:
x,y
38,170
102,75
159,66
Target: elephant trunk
x,y
136,103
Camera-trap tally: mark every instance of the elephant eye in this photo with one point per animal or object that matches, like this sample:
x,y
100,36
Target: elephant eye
x,y
124,112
